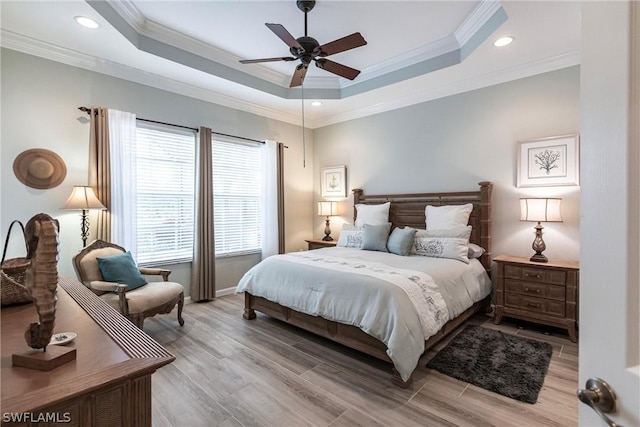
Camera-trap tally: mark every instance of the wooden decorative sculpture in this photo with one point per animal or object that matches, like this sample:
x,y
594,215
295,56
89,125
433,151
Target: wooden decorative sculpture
x,y
41,278
41,281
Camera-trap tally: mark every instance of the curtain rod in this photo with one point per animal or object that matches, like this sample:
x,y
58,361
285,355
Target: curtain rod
x,y
88,111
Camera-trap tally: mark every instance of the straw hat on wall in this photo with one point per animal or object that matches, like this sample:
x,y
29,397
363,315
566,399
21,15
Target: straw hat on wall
x,y
39,168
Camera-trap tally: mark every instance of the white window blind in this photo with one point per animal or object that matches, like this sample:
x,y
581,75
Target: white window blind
x,y
237,178
165,161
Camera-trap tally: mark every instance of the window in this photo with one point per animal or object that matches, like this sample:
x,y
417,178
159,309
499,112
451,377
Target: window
x,y
165,162
237,178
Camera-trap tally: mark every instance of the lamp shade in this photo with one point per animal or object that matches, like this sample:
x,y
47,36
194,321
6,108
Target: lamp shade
x,y
541,210
327,208
83,197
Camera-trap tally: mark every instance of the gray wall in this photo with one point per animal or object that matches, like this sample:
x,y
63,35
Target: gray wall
x,y
453,143
446,144
39,110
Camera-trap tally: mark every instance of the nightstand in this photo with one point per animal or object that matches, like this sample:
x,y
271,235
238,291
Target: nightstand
x,y
545,293
319,243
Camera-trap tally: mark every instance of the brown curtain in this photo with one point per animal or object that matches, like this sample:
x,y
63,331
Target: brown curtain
x,y
280,184
100,168
203,268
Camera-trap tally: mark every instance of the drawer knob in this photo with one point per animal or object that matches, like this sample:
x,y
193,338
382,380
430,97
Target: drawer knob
x,y
537,276
537,291
530,304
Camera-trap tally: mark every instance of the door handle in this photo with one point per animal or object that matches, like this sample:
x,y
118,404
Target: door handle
x,y
600,397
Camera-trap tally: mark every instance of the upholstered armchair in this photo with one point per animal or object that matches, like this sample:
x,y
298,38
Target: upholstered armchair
x,y
146,300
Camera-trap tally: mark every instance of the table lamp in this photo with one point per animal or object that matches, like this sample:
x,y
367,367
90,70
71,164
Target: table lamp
x,y
540,210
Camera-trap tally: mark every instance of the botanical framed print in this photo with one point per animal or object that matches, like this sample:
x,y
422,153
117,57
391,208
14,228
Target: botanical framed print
x,y
334,181
549,161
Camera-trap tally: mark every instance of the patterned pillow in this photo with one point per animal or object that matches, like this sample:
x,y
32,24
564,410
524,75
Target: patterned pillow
x,y
351,237
452,243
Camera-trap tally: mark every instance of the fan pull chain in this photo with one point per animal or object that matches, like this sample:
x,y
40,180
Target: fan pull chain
x,y
304,146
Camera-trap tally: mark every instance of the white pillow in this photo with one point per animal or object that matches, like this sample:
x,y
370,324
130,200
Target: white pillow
x,y
475,251
350,237
446,217
452,243
372,214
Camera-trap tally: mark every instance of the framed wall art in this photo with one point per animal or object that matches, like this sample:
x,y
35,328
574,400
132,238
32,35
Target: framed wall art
x,y
548,161
334,181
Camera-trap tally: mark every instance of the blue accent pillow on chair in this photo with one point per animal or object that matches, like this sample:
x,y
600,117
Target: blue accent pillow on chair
x,y
121,269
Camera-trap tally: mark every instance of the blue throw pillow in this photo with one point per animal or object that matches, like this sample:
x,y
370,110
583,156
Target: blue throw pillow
x,y
121,269
375,237
401,240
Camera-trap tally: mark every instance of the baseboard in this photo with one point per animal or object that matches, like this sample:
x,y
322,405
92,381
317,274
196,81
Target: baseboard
x,y
219,293
225,291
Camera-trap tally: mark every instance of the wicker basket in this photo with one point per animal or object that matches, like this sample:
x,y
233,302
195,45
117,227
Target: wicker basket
x,y
12,275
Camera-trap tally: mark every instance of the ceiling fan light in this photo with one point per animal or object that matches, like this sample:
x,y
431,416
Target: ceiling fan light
x,y
87,22
504,41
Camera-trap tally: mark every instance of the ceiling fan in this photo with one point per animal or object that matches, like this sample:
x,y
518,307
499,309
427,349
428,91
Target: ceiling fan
x,y
307,49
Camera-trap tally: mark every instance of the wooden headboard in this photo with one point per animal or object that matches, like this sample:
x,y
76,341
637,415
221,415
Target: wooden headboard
x,y
408,210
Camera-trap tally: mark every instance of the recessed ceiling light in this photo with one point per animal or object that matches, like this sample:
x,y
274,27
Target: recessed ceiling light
x,y
87,22
316,103
503,41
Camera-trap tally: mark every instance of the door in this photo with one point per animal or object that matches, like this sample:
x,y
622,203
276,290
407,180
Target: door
x,y
609,204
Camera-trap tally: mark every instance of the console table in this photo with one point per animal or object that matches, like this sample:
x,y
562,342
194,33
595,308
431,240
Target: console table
x,y
109,383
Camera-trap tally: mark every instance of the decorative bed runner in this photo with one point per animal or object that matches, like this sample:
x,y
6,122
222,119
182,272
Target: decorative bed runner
x,y
419,287
511,366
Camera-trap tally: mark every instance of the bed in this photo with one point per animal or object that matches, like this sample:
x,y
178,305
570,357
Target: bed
x,y
320,290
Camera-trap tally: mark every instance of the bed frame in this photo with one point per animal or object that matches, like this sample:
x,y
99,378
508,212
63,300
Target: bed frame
x,y
405,210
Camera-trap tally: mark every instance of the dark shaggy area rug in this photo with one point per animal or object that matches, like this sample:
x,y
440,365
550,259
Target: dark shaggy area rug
x,y
512,366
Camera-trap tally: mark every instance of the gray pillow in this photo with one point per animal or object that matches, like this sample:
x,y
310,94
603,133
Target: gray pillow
x,y
401,240
375,237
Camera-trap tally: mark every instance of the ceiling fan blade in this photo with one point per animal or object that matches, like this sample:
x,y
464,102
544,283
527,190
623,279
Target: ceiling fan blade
x,y
285,36
298,75
349,42
339,69
255,61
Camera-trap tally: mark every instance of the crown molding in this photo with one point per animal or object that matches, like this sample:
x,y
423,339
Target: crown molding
x,y
130,13
45,50
51,52
401,67
415,56
166,35
545,65
477,19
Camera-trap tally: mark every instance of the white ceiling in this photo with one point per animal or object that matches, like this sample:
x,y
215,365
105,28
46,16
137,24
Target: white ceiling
x,y
416,50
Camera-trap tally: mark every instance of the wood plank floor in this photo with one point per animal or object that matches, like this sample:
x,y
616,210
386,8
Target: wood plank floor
x,y
233,372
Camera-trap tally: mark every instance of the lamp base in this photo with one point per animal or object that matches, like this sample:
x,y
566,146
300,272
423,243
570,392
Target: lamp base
x,y
538,246
327,231
539,258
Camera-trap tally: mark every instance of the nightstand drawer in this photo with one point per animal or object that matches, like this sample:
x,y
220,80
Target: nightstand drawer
x,y
557,277
536,305
542,290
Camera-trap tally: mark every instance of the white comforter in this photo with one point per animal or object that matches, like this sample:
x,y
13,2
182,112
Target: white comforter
x,y
401,301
